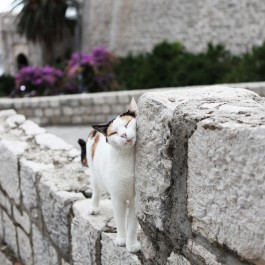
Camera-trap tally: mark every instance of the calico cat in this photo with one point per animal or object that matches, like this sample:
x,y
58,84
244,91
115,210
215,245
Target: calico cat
x,y
110,154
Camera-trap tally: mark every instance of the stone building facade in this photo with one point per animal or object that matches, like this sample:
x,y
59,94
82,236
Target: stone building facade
x,y
16,51
137,25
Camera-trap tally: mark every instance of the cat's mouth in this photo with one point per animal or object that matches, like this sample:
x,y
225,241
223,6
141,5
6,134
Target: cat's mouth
x,y
130,141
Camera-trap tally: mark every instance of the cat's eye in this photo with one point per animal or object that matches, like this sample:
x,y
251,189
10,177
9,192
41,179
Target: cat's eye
x,y
113,133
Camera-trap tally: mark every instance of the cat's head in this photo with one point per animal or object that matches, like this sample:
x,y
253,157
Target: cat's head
x,y
120,133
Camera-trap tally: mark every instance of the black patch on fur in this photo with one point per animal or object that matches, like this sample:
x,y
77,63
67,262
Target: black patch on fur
x,y
94,133
129,113
82,144
102,128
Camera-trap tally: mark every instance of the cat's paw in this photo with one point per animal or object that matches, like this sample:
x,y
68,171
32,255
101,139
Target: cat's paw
x,y
120,241
133,248
94,211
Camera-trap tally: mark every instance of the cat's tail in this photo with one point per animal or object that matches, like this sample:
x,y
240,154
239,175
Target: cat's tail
x,y
82,144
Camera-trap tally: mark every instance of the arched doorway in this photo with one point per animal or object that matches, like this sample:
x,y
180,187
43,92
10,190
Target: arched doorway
x,y
22,61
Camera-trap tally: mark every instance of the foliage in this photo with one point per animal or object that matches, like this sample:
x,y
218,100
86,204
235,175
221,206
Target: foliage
x,y
7,85
43,21
38,80
171,65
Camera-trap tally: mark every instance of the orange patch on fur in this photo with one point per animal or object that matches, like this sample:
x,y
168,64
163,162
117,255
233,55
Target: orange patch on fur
x,y
109,130
91,134
94,145
127,118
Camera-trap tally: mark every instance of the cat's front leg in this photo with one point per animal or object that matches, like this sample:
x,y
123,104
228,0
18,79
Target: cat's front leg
x,y
132,244
94,209
119,207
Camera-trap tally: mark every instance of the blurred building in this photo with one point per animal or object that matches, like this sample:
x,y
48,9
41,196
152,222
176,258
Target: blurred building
x,y
16,51
137,25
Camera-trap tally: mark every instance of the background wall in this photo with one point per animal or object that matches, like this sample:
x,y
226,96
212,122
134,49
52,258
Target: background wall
x,y
137,25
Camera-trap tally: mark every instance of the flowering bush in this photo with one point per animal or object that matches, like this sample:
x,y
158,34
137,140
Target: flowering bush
x,y
95,69
38,80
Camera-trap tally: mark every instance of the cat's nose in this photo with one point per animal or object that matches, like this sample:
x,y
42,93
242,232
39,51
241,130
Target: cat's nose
x,y
124,135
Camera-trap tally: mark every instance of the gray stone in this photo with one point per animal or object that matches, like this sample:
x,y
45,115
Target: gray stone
x,y
9,177
52,142
112,254
44,253
24,246
38,112
4,260
22,219
176,259
86,231
163,169
68,111
15,120
31,128
5,203
10,236
56,215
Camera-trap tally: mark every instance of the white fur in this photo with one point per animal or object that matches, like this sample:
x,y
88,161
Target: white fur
x,y
112,170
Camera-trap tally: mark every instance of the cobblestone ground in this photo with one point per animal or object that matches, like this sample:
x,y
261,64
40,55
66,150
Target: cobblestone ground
x,y
70,134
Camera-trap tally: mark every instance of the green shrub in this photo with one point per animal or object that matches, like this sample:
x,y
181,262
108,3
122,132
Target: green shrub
x,y
7,85
171,65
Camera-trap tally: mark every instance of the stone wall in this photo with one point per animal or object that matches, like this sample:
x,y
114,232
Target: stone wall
x,y
137,25
200,176
199,186
87,109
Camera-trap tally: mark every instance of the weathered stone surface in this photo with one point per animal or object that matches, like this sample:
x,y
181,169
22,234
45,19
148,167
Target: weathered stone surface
x,y
31,128
15,120
112,254
44,253
17,147
24,246
226,195
162,168
7,113
57,215
10,233
5,203
52,142
176,259
22,219
30,175
86,231
9,178
4,260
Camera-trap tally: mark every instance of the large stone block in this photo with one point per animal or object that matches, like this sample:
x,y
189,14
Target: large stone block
x,y
226,195
9,176
44,253
10,235
112,254
24,246
86,231
57,215
167,125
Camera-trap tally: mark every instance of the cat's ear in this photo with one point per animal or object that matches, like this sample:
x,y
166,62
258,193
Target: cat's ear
x,y
133,107
102,128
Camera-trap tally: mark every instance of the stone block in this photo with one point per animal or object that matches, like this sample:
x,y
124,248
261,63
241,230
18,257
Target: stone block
x,y
169,168
54,103
177,259
9,176
86,231
30,175
5,203
49,112
57,215
10,236
22,219
44,253
112,254
68,111
7,113
52,142
31,128
24,246
15,120
226,194
38,112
